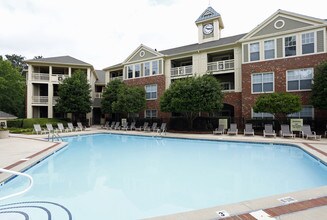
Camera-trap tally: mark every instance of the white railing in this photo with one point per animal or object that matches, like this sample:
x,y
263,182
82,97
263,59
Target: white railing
x,y
40,76
19,174
181,71
54,100
58,77
40,99
221,65
98,95
116,77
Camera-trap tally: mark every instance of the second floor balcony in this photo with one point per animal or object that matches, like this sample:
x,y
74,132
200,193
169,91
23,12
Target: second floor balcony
x,y
98,95
181,71
40,76
40,100
221,66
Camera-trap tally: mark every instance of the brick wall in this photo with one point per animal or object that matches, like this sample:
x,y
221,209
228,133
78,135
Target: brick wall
x,y
279,67
234,99
151,104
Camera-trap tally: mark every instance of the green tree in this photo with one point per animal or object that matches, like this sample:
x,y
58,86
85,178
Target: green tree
x,y
278,104
319,88
110,95
17,61
129,100
193,95
74,95
12,90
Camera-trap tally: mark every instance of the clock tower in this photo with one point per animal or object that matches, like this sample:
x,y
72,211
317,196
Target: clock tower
x,y
209,25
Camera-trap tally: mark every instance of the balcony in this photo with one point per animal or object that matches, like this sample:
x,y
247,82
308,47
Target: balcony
x,y
40,100
98,95
40,76
58,78
181,71
54,100
220,66
116,77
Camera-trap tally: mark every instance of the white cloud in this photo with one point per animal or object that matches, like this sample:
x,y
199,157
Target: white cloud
x,y
105,32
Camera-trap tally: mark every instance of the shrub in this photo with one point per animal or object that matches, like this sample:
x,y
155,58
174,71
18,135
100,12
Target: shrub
x,y
15,123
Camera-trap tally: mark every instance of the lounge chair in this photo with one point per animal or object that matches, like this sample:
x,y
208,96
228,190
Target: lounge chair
x,y
39,130
124,126
285,131
50,128
233,129
61,128
80,126
71,127
162,128
219,130
269,131
248,129
117,127
106,125
307,133
145,126
154,127
131,127
111,126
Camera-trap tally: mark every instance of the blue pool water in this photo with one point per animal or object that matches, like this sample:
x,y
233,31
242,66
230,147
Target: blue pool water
x,y
108,176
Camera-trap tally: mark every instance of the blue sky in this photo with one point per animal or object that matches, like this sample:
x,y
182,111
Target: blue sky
x,y
105,32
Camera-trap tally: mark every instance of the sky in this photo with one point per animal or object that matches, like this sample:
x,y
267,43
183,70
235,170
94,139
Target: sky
x,y
105,32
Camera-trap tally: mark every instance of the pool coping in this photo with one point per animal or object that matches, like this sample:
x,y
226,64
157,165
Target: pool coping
x,y
236,209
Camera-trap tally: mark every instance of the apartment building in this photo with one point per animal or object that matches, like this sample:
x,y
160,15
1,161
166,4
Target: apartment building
x,y
279,55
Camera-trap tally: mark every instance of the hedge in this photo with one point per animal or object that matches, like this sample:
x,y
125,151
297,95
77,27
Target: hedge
x,y
28,123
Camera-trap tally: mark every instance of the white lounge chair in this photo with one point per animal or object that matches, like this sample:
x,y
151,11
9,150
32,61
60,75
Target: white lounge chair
x,y
80,126
145,126
39,130
162,128
269,131
154,127
233,129
219,130
71,127
307,133
285,131
50,128
248,129
61,128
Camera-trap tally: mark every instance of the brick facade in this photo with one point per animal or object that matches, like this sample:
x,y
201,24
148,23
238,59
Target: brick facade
x,y
279,68
234,99
161,87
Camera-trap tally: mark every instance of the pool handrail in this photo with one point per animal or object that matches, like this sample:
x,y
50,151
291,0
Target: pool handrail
x,y
17,174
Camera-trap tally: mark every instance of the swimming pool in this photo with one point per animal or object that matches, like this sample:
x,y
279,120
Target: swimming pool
x,y
107,176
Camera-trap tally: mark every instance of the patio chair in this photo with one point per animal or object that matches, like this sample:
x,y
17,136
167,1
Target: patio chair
x,y
233,129
80,126
154,127
269,131
106,125
39,130
145,126
131,127
111,126
248,129
61,128
124,126
117,126
71,127
307,133
50,128
285,131
219,130
162,128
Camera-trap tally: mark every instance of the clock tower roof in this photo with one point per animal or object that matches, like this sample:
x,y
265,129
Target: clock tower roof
x,y
208,14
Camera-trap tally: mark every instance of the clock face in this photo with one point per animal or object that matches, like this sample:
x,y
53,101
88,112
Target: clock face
x,y
207,29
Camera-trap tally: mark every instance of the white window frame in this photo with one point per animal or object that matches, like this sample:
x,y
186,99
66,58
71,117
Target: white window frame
x,y
264,49
153,61
297,90
128,68
298,114
250,51
153,113
314,42
151,92
296,45
149,69
139,69
262,83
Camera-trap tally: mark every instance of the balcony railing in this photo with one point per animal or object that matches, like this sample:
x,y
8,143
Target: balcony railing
x,y
54,100
116,77
181,71
40,99
98,95
221,66
40,76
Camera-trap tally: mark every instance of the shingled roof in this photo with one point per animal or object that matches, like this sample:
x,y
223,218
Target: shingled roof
x,y
101,77
208,14
196,47
4,115
60,60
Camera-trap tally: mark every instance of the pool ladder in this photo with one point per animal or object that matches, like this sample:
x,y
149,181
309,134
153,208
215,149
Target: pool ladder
x,y
53,136
17,174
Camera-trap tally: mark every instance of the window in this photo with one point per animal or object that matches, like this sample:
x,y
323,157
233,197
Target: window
x,y
151,113
290,46
300,79
269,49
226,86
151,91
130,72
308,45
155,67
306,112
262,82
147,69
261,115
137,70
254,52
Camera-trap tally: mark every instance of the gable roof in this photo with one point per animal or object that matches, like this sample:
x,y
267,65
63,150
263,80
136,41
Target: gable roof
x,y
195,47
138,49
60,60
4,115
300,21
208,14
101,77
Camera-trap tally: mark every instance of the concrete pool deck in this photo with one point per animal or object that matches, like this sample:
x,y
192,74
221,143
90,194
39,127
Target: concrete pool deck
x,y
22,151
